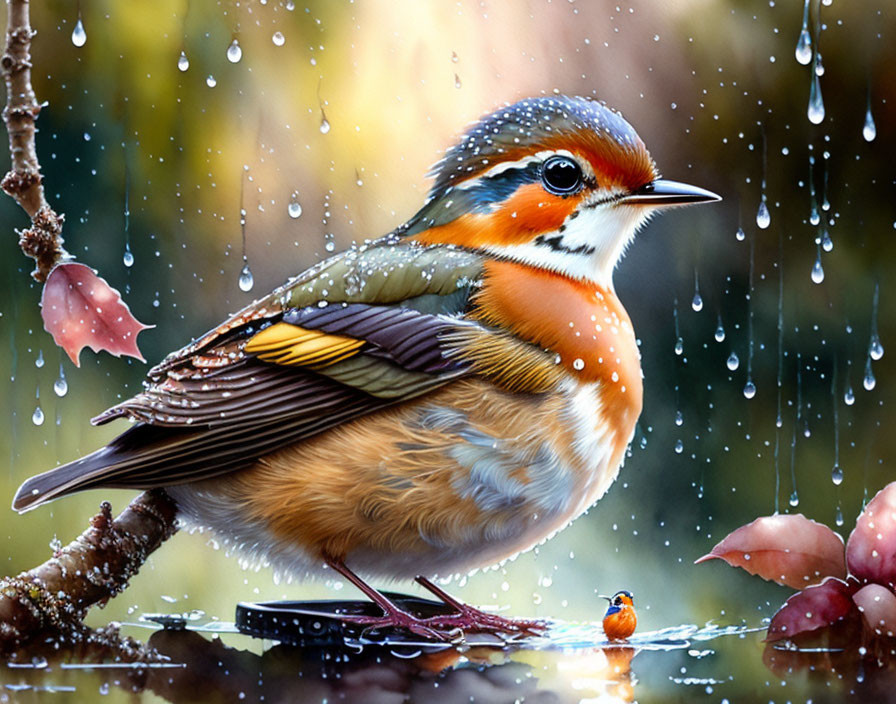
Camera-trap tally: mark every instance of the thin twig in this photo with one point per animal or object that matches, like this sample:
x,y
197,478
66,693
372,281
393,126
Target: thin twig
x,y
53,598
43,240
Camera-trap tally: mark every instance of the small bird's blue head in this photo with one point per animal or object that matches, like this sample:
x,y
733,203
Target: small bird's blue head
x,y
619,601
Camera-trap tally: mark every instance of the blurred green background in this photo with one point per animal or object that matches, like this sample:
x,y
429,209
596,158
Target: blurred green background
x,y
341,107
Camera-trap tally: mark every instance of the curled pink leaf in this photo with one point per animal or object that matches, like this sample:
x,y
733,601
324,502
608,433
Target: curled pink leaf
x,y
81,310
871,548
878,607
815,607
788,549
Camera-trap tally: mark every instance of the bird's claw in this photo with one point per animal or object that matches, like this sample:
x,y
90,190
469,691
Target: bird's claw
x,y
429,628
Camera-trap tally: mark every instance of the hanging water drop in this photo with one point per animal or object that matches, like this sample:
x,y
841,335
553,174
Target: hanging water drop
x,y
39,362
79,38
128,256
679,418
815,111
849,396
814,215
247,281
827,244
763,217
803,50
720,331
749,389
457,83
869,382
794,500
679,447
819,66
679,346
234,52
740,235
817,269
697,302
211,82
869,130
838,518
837,475
875,349
38,416
60,386
278,39
294,208
183,63
733,361
324,122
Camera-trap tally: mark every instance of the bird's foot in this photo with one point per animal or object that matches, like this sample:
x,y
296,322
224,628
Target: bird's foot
x,y
429,628
471,619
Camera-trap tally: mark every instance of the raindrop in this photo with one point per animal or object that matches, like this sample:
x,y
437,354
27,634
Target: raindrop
x,y
838,519
794,499
679,447
38,416
740,234
60,386
875,349
679,418
720,331
278,39
234,52
749,389
804,43
849,396
827,244
79,38
247,281
39,362
818,269
183,63
869,382
763,217
210,81
457,83
837,475
128,257
815,110
733,361
697,302
679,346
819,67
329,244
869,131
294,208
324,122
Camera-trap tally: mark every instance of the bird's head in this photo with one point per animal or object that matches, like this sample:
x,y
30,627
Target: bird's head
x,y
620,600
557,183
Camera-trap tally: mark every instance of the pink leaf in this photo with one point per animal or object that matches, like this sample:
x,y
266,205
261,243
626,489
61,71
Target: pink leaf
x,y
878,606
787,549
80,309
814,607
871,548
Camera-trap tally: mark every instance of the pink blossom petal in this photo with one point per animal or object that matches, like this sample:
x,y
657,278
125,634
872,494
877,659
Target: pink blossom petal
x,y
871,548
80,309
813,608
787,549
878,606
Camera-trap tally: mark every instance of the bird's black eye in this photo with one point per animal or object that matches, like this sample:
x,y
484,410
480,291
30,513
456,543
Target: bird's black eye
x,y
562,176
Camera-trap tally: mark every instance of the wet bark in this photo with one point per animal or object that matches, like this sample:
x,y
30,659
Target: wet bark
x,y
52,599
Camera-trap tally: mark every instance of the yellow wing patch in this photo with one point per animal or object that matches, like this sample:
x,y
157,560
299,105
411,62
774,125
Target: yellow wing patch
x,y
292,345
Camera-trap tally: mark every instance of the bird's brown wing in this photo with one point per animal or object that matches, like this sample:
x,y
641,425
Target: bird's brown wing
x,y
275,373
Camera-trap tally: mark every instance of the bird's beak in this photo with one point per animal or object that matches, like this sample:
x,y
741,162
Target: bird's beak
x,y
663,193
604,596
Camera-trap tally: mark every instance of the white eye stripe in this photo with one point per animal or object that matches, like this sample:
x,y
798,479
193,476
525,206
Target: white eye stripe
x,y
538,157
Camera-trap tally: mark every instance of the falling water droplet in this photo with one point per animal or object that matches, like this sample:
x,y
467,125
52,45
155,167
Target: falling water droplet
x,y
457,83
749,389
720,331
838,519
183,63
763,217
247,281
60,386
679,447
733,361
79,38
849,396
128,256
869,131
211,82
869,382
740,234
324,123
803,50
815,110
817,269
875,349
234,52
814,215
819,66
794,499
827,244
294,208
679,418
278,39
39,362
837,475
697,303
38,416
679,346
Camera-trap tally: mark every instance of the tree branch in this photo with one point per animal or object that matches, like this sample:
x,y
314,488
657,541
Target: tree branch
x,y
54,597
43,241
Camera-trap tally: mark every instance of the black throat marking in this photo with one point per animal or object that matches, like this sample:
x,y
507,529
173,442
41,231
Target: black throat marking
x,y
555,242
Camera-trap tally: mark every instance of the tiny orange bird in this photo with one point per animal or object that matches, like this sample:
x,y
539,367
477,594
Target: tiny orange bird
x,y
425,403
620,620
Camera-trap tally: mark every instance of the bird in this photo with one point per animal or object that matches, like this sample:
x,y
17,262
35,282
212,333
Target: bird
x,y
424,403
620,619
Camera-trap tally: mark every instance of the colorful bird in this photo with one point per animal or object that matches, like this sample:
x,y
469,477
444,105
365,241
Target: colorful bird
x,y
620,620
435,400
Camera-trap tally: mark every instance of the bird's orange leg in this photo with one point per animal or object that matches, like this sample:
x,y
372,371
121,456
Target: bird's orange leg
x,y
469,618
393,616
